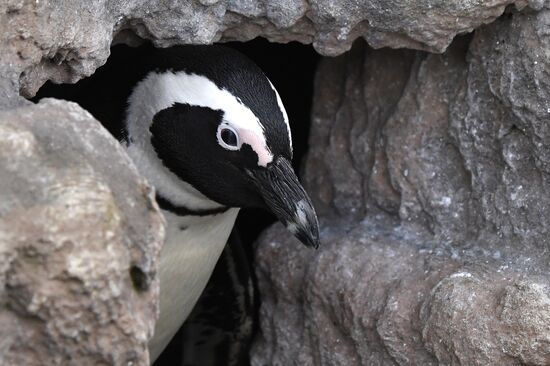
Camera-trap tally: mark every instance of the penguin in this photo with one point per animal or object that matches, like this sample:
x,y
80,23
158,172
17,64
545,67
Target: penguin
x,y
209,131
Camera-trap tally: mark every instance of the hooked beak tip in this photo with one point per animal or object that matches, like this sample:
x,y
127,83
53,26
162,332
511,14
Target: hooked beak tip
x,y
308,234
309,241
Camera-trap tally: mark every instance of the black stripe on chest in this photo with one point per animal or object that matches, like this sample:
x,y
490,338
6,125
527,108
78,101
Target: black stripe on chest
x,y
185,211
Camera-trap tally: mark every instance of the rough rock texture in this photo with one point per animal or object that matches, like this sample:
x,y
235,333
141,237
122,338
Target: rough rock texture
x,y
431,174
79,237
67,40
457,142
384,294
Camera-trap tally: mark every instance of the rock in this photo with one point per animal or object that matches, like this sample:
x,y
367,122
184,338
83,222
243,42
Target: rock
x,y
69,40
492,317
353,97
471,161
441,140
326,308
388,294
431,181
500,124
80,234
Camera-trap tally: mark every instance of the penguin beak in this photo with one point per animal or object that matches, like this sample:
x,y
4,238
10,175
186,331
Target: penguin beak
x,y
287,199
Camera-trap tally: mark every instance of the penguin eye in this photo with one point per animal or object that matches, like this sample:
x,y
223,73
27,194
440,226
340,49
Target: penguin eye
x,y
228,137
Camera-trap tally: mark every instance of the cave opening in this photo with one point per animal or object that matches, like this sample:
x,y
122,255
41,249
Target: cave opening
x,y
290,67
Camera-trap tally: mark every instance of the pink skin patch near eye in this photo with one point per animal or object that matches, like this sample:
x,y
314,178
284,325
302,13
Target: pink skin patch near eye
x,y
258,145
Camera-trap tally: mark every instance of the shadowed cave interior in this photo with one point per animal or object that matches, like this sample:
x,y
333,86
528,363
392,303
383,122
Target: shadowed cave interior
x,y
291,68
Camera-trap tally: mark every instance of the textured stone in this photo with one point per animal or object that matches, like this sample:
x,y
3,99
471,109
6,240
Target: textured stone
x,y
353,97
388,294
80,235
67,40
430,173
488,317
442,140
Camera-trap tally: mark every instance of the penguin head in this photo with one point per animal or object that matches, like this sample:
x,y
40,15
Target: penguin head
x,y
208,122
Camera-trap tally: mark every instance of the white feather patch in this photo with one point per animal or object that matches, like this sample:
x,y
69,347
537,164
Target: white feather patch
x,y
283,111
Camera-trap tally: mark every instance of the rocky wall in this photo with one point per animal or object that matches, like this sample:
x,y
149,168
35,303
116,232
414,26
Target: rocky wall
x,y
431,175
66,40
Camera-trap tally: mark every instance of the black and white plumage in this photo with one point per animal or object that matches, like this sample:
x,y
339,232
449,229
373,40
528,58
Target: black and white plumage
x,y
209,131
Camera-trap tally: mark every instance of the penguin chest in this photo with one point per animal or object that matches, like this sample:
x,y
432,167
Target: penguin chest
x,y
192,248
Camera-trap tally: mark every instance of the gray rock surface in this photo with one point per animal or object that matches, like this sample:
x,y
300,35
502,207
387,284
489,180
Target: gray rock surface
x,y
79,237
456,142
67,40
381,293
430,173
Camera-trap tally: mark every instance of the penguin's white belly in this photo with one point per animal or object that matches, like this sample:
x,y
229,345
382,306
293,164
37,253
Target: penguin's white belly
x,y
192,248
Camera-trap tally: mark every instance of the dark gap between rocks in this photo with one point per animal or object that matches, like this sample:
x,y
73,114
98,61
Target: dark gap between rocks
x,y
290,67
